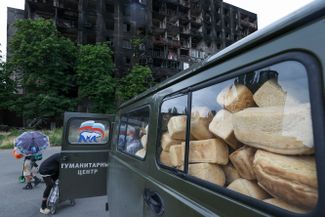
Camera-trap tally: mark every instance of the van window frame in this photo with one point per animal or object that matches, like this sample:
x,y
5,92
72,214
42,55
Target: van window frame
x,y
184,92
126,114
316,92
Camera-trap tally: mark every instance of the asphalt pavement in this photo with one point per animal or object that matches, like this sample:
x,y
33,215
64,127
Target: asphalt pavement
x,y
16,202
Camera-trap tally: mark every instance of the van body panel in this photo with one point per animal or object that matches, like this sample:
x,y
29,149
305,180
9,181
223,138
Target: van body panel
x,y
126,185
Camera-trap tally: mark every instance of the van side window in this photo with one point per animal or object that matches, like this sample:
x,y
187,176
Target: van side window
x,y
253,134
173,131
133,132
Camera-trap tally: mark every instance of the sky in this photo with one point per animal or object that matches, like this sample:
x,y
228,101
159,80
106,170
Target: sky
x,y
267,12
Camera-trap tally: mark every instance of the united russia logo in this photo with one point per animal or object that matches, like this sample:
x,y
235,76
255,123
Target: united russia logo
x,y
91,132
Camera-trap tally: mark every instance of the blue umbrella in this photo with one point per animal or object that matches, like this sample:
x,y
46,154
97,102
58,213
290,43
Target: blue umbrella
x,y
30,143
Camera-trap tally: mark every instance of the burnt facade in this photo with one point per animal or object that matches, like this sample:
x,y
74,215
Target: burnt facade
x,y
187,31
173,33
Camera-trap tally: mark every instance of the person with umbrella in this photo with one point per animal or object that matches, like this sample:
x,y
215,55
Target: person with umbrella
x,y
30,144
29,172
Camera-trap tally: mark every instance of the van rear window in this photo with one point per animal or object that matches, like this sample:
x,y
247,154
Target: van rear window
x,y
251,134
133,132
85,131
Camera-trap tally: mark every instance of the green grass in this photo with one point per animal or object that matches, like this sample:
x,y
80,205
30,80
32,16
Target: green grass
x,y
55,136
7,138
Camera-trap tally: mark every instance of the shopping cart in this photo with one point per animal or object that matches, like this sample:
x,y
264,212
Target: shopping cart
x,y
54,199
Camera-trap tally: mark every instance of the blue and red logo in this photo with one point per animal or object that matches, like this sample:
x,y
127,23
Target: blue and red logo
x,y
91,132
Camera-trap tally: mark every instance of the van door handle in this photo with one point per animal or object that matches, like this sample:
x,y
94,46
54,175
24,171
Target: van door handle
x,y
154,201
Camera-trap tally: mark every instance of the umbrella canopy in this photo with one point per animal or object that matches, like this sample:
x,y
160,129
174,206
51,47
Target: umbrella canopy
x,y
29,143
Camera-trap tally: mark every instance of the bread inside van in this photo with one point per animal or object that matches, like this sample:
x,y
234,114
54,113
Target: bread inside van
x,y
283,130
258,133
235,98
289,178
221,126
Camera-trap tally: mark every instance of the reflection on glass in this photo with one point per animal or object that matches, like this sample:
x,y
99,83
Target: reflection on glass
x,y
134,133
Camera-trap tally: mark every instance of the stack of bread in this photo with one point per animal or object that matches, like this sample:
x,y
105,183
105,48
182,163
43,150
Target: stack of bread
x,y
260,145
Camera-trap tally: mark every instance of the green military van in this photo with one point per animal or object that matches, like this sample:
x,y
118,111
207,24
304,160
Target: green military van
x,y
241,134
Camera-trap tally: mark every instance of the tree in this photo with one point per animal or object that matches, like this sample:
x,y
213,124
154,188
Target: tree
x,y
43,62
95,77
7,87
136,43
138,80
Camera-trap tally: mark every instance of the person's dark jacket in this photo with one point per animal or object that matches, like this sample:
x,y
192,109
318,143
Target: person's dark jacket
x,y
50,166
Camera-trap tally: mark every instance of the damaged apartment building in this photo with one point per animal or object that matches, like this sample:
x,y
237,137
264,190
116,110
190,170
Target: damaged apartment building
x,y
175,33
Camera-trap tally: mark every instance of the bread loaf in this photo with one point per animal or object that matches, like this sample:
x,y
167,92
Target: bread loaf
x,y
201,151
221,126
283,130
144,140
141,153
271,94
282,204
167,141
164,158
290,178
235,98
177,127
231,173
200,120
242,159
249,188
208,151
209,172
176,155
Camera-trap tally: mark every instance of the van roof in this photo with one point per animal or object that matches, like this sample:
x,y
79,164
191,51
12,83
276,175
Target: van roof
x,y
295,19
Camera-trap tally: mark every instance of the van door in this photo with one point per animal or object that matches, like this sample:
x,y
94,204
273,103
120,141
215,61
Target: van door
x,y
128,163
84,155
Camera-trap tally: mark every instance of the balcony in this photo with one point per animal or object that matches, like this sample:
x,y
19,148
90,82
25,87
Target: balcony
x,y
158,54
173,43
195,21
196,33
67,26
158,30
207,19
185,31
66,23
196,9
185,44
183,17
172,28
159,40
